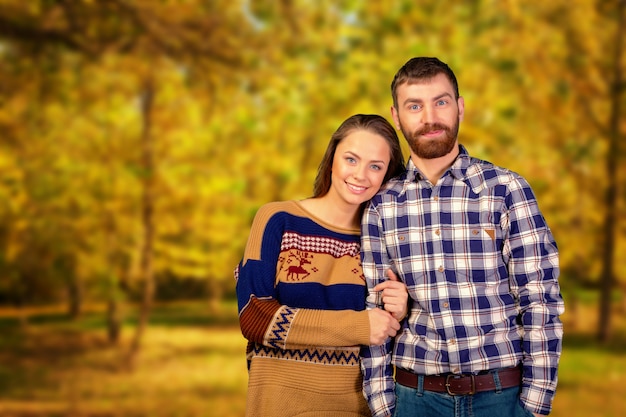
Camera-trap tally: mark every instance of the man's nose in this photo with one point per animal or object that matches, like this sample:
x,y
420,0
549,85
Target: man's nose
x,y
428,114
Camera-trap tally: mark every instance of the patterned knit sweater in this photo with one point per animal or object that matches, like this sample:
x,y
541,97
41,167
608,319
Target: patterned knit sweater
x,y
301,295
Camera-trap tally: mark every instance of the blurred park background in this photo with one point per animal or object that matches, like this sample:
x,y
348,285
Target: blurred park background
x,y
138,138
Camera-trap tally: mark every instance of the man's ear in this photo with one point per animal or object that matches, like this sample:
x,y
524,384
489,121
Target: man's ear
x,y
396,119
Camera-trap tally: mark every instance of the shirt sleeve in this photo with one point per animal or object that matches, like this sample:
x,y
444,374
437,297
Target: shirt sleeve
x,y
378,383
533,264
262,317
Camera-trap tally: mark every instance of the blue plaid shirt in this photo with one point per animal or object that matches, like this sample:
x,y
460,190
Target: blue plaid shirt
x,y
481,267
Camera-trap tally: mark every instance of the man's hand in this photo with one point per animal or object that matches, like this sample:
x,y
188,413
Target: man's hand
x,y
394,295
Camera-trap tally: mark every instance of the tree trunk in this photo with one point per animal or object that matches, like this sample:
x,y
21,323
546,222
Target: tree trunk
x,y
113,321
607,281
19,299
216,293
146,269
75,297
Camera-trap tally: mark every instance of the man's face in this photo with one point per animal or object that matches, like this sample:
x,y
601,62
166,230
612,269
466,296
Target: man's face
x,y
429,115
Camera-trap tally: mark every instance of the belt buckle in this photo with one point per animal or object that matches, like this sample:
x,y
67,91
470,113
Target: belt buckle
x,y
472,388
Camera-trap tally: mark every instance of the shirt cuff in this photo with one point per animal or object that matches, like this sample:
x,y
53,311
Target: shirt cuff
x,y
536,400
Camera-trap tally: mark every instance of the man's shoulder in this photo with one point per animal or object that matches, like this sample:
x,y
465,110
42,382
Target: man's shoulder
x,y
486,173
392,188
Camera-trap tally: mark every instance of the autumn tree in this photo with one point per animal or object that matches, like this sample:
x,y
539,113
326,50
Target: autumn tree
x,y
140,42
162,126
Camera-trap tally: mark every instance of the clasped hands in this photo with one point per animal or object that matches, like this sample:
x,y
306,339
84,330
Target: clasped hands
x,y
386,323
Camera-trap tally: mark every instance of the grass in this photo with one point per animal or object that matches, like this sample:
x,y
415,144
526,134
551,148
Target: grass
x,y
592,382
592,377
190,365
193,364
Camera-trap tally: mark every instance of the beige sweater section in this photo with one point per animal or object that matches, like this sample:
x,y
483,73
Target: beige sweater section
x,y
303,362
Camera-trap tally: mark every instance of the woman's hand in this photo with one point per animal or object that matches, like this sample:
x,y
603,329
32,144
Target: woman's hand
x,y
382,326
394,296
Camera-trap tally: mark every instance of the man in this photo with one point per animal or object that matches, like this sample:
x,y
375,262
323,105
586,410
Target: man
x,y
483,335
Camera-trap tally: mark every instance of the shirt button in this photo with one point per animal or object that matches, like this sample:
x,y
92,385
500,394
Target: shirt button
x,y
474,232
440,269
452,341
455,370
437,232
436,198
446,305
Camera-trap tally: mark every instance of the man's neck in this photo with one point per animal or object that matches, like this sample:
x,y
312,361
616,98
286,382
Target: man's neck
x,y
434,168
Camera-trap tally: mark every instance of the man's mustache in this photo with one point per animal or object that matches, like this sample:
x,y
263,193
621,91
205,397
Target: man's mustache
x,y
427,128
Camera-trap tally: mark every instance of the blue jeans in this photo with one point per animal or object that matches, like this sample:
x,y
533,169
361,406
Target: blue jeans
x,y
411,402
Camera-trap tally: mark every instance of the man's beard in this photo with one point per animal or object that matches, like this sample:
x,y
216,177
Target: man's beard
x,y
432,148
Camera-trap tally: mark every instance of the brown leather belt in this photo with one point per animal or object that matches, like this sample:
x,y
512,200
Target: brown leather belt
x,y
462,384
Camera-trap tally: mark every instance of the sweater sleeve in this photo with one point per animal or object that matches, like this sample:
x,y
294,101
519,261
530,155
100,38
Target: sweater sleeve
x,y
263,319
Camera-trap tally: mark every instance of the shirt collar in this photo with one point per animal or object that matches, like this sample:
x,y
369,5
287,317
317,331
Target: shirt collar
x,y
457,170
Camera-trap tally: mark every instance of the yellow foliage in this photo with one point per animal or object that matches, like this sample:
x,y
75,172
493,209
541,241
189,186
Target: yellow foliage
x,y
247,95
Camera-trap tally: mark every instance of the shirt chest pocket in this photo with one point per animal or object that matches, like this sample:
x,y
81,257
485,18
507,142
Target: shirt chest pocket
x,y
408,253
478,251
405,244
475,239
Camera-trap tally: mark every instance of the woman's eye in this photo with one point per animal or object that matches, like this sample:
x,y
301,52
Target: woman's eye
x,y
376,167
351,160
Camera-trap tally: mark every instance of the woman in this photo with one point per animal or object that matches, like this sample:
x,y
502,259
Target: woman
x,y
301,289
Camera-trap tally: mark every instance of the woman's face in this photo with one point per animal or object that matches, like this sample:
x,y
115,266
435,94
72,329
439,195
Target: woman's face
x,y
359,166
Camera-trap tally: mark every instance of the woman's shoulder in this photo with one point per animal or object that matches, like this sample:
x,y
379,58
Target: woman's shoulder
x,y
288,206
274,208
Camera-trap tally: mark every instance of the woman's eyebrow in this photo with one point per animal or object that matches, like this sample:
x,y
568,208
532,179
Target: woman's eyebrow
x,y
356,156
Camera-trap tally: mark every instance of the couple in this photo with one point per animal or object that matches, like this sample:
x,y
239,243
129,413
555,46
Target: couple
x,y
425,290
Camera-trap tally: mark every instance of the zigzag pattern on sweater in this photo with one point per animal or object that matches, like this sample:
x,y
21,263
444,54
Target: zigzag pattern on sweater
x,y
329,356
280,327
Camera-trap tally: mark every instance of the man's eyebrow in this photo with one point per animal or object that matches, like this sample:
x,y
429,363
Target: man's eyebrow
x,y
419,100
442,95
412,100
